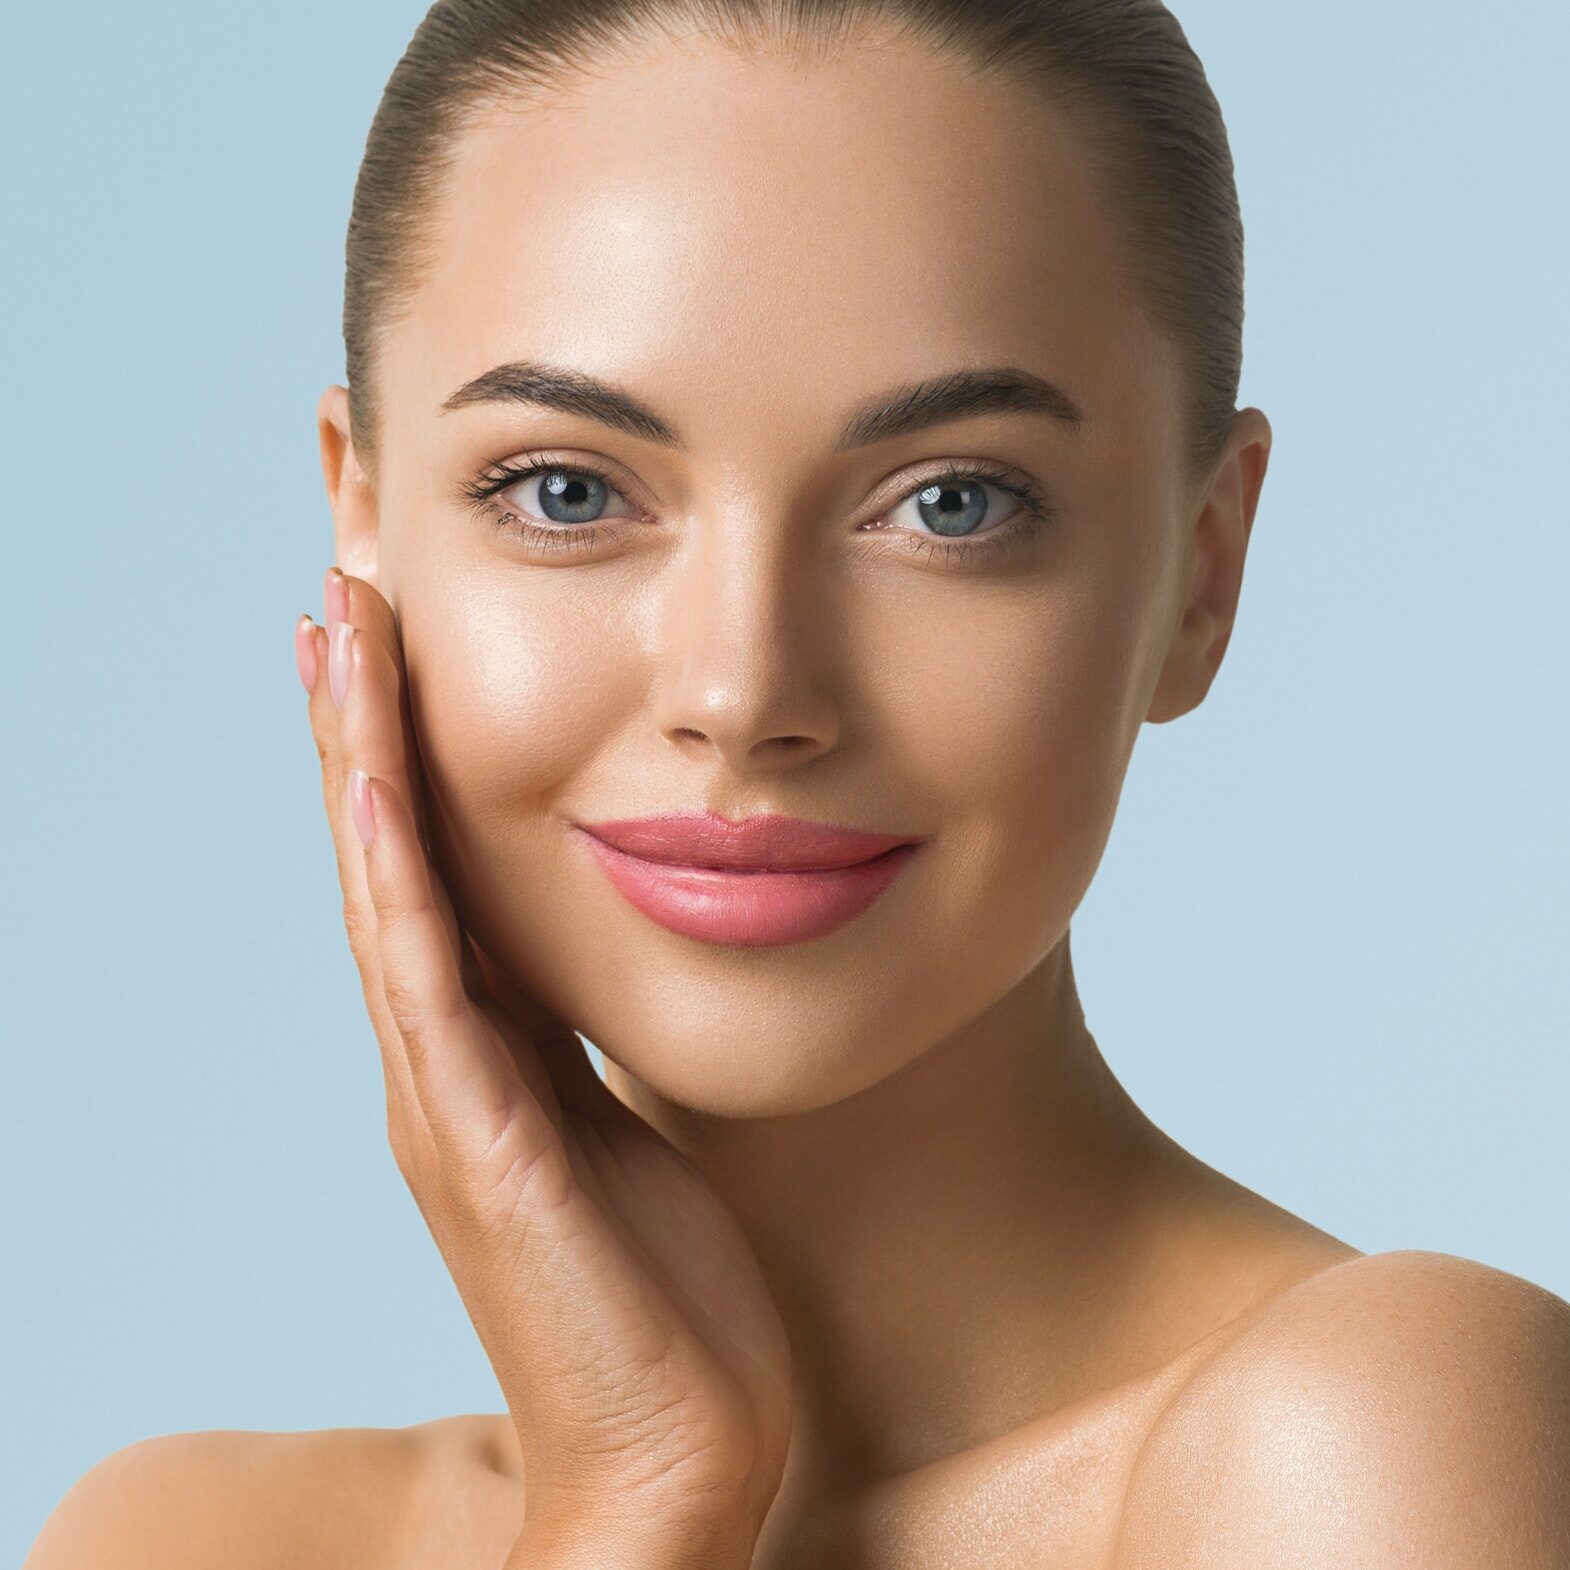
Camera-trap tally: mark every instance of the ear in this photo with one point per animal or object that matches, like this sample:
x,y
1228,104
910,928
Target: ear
x,y
350,493
1215,547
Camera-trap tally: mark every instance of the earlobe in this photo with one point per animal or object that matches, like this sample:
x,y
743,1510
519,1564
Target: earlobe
x,y
1184,678
350,493
1213,571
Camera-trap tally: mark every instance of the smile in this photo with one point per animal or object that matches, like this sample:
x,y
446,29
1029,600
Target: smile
x,y
766,880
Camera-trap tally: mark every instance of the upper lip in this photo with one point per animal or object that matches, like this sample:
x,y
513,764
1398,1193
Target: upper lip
x,y
769,842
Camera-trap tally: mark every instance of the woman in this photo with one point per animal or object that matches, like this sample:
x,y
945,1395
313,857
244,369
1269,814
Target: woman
x,y
788,453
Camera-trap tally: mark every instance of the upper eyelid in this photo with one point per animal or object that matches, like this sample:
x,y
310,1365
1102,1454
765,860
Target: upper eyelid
x,y
544,460
993,471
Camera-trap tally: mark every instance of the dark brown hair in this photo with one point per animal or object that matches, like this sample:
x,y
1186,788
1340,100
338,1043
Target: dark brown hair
x,y
1124,67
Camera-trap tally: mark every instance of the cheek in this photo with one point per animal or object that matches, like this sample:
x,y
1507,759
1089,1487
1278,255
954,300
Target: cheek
x,y
513,693
1027,737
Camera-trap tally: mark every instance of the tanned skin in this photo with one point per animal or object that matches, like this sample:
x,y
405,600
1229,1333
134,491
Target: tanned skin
x,y
862,1258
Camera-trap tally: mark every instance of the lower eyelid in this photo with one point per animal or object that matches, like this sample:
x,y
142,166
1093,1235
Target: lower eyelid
x,y
566,537
1019,526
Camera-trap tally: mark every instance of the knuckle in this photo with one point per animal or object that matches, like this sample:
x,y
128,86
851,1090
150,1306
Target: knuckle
x,y
404,901
360,929
543,1178
323,730
406,1006
491,1199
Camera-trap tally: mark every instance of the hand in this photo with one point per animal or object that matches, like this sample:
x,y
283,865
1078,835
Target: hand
x,y
642,1360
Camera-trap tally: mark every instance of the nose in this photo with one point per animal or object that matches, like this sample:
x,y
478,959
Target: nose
x,y
747,650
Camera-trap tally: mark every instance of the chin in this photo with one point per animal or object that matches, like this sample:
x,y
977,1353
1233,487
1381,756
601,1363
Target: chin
x,y
732,1033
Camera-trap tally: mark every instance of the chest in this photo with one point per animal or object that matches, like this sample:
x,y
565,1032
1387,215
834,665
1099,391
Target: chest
x,y
1049,1497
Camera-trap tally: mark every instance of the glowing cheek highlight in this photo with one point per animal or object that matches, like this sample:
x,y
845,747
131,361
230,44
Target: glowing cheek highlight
x,y
522,700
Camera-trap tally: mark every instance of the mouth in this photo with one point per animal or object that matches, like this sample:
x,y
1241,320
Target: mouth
x,y
764,880
768,842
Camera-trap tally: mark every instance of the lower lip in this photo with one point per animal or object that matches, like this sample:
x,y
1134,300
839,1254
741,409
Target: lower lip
x,y
747,909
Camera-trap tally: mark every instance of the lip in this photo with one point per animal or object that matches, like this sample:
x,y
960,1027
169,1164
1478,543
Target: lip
x,y
768,879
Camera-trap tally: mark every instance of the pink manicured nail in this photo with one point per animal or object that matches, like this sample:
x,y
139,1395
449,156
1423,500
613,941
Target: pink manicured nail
x,y
335,597
338,659
305,650
360,805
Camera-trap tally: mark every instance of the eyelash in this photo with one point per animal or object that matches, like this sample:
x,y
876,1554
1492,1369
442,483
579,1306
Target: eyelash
x,y
1034,512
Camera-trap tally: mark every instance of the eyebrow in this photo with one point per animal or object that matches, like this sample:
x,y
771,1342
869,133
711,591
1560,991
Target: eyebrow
x,y
951,396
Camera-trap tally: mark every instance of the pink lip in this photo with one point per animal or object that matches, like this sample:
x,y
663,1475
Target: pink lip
x,y
764,880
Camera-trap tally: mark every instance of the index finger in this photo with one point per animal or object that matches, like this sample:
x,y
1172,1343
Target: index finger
x,y
363,605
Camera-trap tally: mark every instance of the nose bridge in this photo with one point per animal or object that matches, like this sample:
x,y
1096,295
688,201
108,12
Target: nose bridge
x,y
743,637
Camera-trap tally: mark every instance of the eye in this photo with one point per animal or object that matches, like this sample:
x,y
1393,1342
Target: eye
x,y
557,494
957,515
552,507
955,506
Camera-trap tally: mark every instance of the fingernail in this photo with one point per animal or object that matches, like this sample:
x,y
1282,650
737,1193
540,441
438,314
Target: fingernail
x,y
360,805
338,659
305,650
335,597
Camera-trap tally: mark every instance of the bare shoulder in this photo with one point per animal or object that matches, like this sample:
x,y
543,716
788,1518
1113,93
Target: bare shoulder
x,y
1407,1408
381,1498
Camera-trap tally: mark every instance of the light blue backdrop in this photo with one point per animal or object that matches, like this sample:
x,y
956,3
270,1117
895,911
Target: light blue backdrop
x,y
1326,948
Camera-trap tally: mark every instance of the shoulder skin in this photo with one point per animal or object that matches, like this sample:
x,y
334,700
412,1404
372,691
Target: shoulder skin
x,y
1399,1411
243,1500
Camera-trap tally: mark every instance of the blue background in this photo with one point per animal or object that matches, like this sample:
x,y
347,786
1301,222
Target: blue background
x,y
1326,947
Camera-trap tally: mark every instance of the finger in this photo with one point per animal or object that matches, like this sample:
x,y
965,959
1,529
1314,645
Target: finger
x,y
324,713
479,1109
406,1129
375,730
372,734
362,603
324,718
578,1088
326,728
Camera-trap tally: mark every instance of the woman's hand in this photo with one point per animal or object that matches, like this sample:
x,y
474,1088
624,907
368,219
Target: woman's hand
x,y
642,1360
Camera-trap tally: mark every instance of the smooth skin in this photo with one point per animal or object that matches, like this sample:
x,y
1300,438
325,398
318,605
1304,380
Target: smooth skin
x,y
862,1256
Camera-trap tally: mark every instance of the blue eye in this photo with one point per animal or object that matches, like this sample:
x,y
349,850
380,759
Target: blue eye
x,y
952,518
565,495
954,506
953,512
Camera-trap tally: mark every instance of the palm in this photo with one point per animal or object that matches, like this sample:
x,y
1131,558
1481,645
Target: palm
x,y
675,1280
691,1237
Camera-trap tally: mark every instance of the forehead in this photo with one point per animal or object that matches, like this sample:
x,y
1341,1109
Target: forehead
x,y
734,236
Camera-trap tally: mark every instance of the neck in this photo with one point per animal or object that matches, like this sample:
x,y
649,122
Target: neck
x,y
948,1248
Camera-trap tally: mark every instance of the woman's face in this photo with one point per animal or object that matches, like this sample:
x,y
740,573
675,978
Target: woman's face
x,y
763,614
